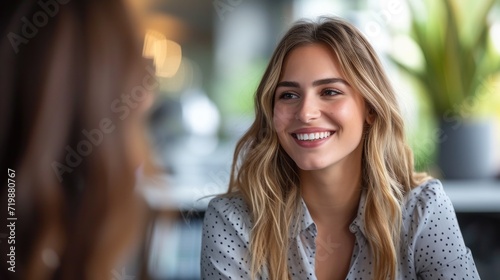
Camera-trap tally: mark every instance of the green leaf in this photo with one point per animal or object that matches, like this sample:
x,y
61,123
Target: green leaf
x,y
453,37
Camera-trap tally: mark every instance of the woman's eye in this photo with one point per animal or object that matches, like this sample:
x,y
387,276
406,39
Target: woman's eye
x,y
288,95
331,92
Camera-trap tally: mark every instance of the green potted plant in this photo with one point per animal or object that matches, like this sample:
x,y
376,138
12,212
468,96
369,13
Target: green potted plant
x,y
458,58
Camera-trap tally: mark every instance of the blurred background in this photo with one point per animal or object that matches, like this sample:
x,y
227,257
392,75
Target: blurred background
x,y
443,58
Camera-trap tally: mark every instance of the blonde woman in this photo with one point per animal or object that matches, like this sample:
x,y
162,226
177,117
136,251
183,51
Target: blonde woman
x,y
322,184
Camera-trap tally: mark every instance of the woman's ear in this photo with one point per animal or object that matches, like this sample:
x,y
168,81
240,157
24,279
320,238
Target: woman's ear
x,y
370,115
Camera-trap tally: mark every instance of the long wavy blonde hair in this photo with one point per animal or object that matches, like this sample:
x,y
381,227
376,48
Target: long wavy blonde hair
x,y
268,178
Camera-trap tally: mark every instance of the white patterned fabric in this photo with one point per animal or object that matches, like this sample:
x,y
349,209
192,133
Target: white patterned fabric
x,y
431,247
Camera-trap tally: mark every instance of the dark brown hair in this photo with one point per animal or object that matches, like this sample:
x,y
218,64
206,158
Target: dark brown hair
x,y
72,141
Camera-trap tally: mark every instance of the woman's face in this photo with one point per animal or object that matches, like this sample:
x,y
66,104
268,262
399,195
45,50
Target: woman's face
x,y
318,116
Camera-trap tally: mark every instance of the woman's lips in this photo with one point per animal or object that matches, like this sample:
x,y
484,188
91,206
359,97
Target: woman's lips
x,y
312,139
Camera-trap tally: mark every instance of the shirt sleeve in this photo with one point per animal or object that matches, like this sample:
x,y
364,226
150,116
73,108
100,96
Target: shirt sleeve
x,y
439,250
225,240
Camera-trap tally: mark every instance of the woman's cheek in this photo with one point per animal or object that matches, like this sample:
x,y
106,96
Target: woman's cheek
x,y
344,112
283,115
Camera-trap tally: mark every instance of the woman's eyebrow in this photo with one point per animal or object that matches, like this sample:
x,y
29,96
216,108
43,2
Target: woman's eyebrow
x,y
288,84
315,83
330,81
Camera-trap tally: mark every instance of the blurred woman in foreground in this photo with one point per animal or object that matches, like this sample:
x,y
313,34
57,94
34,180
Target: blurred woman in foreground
x,y
73,88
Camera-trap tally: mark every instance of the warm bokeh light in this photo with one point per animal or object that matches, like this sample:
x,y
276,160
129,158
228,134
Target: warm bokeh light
x,y
167,54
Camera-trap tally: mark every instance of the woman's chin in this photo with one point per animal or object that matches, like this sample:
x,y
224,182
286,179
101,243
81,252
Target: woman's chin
x,y
310,166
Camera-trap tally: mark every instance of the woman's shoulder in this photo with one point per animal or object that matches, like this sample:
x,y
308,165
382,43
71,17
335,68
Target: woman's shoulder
x,y
431,236
427,199
431,189
229,202
229,207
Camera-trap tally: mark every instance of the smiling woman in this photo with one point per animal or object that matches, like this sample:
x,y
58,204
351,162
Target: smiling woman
x,y
322,184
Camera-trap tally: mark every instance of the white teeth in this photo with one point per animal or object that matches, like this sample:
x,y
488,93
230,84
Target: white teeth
x,y
313,136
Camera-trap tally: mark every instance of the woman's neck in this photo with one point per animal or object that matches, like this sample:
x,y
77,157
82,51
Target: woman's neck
x,y
332,195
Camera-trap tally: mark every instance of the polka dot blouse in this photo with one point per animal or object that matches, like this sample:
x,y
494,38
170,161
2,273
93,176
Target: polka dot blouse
x,y
432,246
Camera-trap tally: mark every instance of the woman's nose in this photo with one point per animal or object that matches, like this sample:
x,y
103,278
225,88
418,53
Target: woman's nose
x,y
308,110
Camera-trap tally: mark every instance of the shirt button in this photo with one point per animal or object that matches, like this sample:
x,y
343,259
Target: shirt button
x,y
352,228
